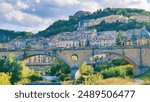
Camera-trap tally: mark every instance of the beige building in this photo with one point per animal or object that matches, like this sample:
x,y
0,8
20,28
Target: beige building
x,y
114,18
141,18
38,59
127,42
109,19
143,41
67,43
103,41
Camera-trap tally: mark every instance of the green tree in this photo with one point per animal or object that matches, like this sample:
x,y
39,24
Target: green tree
x,y
35,77
15,72
134,36
120,38
12,67
59,69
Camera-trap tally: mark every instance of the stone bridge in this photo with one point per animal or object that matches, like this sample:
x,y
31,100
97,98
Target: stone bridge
x,y
139,57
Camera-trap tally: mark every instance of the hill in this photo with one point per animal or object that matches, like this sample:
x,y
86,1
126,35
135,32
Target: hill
x,y
72,24
7,35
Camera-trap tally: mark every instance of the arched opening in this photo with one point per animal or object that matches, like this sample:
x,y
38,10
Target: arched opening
x,y
48,67
107,68
74,57
112,55
38,62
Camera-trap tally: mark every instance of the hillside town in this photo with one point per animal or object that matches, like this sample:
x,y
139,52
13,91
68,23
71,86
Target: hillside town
x,y
85,37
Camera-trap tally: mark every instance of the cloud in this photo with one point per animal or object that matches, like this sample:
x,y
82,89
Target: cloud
x,y
11,17
37,1
22,5
139,4
66,2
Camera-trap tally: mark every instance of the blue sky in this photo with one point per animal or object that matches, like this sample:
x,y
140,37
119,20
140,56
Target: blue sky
x,y
36,15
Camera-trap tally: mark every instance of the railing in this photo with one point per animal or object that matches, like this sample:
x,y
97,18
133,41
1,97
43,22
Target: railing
x,y
38,64
77,48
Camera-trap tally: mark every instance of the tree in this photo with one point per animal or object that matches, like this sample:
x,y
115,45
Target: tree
x,y
120,38
134,36
12,67
59,69
16,72
35,77
85,69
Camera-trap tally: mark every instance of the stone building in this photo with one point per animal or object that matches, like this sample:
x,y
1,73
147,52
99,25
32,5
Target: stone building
x,y
15,44
143,41
39,59
141,18
108,19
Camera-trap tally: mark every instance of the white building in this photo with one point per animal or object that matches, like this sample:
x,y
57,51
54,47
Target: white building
x,y
106,38
103,41
38,59
15,44
67,43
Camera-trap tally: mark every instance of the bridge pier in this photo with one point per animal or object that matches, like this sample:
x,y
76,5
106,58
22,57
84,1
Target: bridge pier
x,y
75,73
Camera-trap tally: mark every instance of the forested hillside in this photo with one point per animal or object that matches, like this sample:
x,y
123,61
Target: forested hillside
x,y
71,24
7,35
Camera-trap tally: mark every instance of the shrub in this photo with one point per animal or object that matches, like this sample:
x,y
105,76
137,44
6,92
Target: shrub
x,y
146,81
35,77
119,71
4,79
101,67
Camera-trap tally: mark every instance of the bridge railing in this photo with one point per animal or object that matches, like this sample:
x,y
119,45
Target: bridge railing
x,y
76,48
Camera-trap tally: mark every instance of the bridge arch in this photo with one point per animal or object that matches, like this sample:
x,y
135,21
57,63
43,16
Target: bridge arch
x,y
75,67
125,56
23,57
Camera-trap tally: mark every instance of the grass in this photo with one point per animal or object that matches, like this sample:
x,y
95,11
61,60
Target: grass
x,y
117,81
108,81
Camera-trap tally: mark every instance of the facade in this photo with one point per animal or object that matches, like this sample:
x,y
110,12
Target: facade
x,y
39,59
108,19
143,41
106,38
35,44
115,18
15,44
136,37
103,41
67,43
127,42
141,18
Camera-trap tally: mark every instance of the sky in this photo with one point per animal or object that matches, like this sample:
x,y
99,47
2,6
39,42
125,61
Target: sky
x,y
37,15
